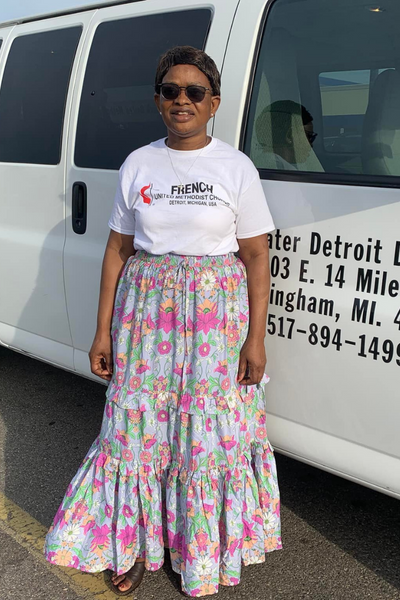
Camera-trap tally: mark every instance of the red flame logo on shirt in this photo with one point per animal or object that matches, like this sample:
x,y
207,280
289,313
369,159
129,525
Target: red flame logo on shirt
x,y
147,198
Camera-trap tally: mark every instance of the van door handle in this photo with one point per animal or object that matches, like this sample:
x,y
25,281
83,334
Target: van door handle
x,y
79,207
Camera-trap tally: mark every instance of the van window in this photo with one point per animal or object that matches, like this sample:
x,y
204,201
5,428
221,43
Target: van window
x,y
326,93
33,95
117,111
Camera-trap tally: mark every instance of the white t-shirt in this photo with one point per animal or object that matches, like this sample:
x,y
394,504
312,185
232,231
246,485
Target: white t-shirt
x,y
195,202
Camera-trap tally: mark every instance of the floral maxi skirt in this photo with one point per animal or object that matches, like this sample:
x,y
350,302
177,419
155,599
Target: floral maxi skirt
x,y
182,459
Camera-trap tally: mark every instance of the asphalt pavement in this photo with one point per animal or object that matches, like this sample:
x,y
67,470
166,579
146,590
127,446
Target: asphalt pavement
x,y
341,540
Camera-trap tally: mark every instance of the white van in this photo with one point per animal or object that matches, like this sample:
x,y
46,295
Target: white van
x,y
76,96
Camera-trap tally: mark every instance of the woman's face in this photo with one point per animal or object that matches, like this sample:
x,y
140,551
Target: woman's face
x,y
183,117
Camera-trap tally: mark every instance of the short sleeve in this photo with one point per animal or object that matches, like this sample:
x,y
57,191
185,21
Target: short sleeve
x,y
122,216
254,217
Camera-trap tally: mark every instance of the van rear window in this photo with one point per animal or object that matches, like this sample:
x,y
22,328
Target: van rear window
x,y
33,95
326,93
117,112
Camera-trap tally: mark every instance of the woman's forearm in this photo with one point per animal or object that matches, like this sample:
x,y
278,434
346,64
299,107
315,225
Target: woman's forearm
x,y
258,283
254,252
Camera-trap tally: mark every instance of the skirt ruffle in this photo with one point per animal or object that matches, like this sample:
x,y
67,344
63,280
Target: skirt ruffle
x,y
210,480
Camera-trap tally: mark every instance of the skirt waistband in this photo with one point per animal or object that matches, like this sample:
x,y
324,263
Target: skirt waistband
x,y
175,260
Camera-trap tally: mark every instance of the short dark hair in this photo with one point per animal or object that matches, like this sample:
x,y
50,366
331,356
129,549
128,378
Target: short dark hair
x,y
187,55
275,121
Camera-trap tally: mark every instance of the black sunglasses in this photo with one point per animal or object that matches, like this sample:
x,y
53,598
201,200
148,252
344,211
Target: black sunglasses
x,y
311,137
171,91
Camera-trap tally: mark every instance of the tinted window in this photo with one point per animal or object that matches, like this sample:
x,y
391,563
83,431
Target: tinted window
x,y
33,94
326,95
117,112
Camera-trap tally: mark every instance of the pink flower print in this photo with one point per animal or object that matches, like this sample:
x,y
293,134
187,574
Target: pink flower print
x,y
121,360
170,516
164,347
127,319
261,433
179,369
69,491
148,325
202,540
127,511
233,334
222,367
204,349
208,510
100,537
120,376
211,460
145,456
237,415
208,424
228,504
108,511
97,484
197,448
230,459
249,535
134,383
206,314
188,330
101,460
109,410
236,277
227,442
148,441
226,384
122,437
162,416
59,518
141,366
88,524
262,419
192,286
200,403
188,370
75,562
186,402
167,317
127,454
128,538
80,510
152,283
243,425
224,283
234,543
247,437
258,519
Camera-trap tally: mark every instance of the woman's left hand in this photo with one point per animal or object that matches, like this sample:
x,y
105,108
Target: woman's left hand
x,y
252,362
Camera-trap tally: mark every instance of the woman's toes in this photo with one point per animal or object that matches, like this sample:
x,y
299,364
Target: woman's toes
x,y
124,585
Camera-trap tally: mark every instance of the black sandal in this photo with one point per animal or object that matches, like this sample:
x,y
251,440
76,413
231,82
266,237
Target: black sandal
x,y
134,576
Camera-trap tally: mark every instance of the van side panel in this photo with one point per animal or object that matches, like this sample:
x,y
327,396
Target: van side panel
x,y
36,66
333,332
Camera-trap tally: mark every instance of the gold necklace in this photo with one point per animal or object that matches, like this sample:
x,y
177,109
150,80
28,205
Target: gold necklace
x,y
191,166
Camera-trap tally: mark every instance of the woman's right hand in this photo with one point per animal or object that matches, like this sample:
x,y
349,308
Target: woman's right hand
x,y
100,356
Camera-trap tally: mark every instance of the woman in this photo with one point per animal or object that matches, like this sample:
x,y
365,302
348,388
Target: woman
x,y
183,443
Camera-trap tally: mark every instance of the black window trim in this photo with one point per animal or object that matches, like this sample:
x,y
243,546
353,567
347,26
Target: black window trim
x,y
380,181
